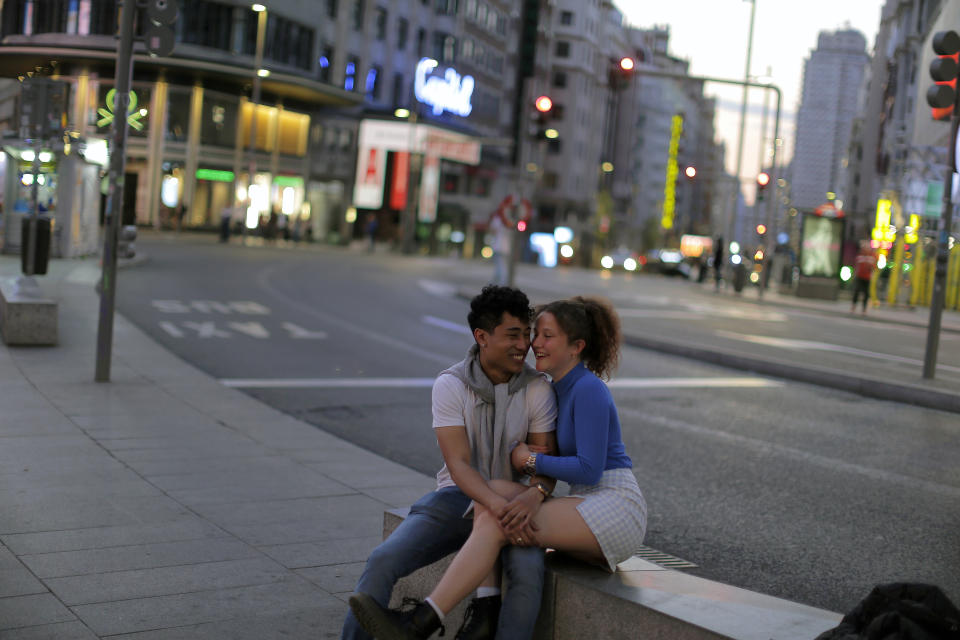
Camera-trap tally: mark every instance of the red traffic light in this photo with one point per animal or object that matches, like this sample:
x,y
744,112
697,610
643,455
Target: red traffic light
x,y
942,95
763,179
626,63
543,104
761,229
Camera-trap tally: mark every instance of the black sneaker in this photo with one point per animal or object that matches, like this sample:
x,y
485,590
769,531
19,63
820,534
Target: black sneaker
x,y
480,620
418,622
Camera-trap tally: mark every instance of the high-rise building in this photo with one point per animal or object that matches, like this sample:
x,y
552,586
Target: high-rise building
x,y
832,78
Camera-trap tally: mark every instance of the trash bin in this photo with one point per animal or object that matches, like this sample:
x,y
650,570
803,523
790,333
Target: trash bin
x,y
739,277
41,253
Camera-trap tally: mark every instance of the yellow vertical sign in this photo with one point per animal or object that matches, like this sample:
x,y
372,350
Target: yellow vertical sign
x,y
670,188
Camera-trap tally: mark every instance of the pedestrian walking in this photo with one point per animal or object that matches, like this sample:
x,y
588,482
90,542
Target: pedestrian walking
x,y
718,264
863,268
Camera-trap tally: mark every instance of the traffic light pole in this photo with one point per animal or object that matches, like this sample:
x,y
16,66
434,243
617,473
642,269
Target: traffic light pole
x,y
118,157
943,256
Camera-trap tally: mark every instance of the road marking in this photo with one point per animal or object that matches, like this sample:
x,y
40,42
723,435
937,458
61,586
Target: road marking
x,y
769,448
446,324
325,383
171,328
206,330
363,383
800,345
702,312
299,333
439,289
252,329
245,307
686,383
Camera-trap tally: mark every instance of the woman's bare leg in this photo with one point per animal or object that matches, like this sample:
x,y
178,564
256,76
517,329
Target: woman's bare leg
x,y
560,526
473,564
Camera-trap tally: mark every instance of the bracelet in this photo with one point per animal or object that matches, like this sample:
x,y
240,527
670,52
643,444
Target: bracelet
x,y
539,486
530,466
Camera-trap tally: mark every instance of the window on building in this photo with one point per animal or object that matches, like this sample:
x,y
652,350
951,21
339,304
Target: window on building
x,y
403,27
332,8
447,7
285,41
444,48
373,84
470,10
563,49
451,183
560,79
421,41
350,73
208,24
550,180
356,17
381,24
554,146
399,97
219,124
324,63
566,17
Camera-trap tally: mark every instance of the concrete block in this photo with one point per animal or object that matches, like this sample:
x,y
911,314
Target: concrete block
x,y
26,316
33,610
188,528
75,630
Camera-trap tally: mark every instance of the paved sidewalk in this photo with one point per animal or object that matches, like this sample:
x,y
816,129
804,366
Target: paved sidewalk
x,y
164,505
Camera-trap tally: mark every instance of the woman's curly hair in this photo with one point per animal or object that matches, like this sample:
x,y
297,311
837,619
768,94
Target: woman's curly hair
x,y
594,321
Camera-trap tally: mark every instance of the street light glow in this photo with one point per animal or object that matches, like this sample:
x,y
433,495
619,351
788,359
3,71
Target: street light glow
x,y
263,73
691,172
402,113
551,134
607,167
626,63
258,7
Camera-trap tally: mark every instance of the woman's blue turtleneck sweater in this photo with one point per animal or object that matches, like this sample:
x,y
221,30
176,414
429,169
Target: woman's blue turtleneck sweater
x,y
588,431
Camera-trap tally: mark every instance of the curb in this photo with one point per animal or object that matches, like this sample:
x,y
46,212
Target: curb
x,y
861,385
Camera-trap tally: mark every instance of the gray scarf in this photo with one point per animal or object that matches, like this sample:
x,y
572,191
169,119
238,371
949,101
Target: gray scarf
x,y
489,450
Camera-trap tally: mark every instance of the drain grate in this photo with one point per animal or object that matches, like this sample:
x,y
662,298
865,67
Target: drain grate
x,y
664,559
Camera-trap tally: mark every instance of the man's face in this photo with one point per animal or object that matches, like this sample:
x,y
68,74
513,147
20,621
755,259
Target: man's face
x,y
503,350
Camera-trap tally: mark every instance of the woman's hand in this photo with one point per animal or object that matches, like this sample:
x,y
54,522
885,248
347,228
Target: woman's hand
x,y
519,456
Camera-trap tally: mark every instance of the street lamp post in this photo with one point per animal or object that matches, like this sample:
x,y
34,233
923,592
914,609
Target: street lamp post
x,y
743,120
261,11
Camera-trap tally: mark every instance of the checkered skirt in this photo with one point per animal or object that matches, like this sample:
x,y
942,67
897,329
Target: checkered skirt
x,y
616,513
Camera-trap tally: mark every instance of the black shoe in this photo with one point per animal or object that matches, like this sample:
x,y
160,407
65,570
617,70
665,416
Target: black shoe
x,y
480,620
417,623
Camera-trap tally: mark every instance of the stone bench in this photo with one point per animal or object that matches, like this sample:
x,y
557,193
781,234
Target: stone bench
x,y
640,600
26,316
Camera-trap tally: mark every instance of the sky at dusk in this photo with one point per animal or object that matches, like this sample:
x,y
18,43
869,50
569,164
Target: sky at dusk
x,y
712,36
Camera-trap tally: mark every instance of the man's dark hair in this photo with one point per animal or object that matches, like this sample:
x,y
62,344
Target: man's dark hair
x,y
487,307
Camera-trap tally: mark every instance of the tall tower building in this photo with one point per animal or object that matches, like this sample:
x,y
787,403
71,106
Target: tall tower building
x,y
831,81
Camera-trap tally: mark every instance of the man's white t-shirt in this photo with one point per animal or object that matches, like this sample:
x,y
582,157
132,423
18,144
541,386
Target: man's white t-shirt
x,y
533,409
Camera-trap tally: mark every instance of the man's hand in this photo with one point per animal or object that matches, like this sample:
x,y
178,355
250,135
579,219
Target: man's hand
x,y
516,517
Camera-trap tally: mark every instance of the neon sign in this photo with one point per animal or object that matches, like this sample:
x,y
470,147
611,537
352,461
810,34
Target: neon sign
x,y
451,92
670,188
133,117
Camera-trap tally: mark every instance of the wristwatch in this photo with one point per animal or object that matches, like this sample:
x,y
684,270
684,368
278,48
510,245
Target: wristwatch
x,y
542,489
530,466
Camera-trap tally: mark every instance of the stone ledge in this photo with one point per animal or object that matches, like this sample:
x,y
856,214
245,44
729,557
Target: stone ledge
x,y
580,601
26,316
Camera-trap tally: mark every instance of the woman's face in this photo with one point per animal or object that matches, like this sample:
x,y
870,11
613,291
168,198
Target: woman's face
x,y
554,353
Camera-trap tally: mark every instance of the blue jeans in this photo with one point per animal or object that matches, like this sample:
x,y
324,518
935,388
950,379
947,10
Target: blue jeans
x,y
434,529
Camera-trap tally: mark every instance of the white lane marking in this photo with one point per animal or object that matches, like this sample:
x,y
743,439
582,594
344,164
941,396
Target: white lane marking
x,y
299,333
446,324
686,383
769,448
325,383
171,328
362,383
800,345
252,329
440,289
246,307
703,312
206,330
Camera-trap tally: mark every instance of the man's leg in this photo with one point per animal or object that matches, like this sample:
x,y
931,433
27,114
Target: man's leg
x,y
523,567
434,528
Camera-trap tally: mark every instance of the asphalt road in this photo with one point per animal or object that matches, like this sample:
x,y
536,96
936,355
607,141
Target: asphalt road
x,y
795,490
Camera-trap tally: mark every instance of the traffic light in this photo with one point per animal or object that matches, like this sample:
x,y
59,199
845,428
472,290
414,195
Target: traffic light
x,y
942,95
763,179
621,71
761,229
543,110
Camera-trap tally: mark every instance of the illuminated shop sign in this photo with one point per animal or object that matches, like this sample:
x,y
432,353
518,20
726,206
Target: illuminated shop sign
x,y
133,115
450,92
